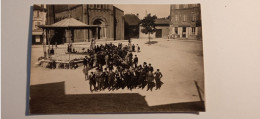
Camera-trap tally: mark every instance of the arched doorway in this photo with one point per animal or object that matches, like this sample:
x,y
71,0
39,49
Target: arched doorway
x,y
102,30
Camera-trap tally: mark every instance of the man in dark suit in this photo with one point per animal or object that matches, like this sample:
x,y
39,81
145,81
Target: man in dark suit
x,y
150,68
157,76
136,61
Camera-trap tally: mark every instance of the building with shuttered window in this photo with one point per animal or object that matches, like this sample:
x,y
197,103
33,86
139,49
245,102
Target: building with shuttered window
x,y
185,21
39,18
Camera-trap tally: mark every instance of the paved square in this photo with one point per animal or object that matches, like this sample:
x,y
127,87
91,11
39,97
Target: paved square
x,y
180,61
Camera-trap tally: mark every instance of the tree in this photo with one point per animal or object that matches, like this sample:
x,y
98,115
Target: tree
x,y
148,25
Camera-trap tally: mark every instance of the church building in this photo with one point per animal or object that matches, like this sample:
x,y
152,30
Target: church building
x,y
108,17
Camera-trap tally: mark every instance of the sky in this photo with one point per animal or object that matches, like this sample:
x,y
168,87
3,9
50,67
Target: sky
x,y
158,10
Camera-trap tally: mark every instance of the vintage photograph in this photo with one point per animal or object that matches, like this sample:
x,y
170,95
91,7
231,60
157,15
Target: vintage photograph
x,y
116,58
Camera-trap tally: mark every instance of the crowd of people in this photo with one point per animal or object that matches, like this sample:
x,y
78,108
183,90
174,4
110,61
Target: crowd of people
x,y
115,67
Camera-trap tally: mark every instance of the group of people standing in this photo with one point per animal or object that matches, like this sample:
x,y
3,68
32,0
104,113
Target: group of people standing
x,y
115,67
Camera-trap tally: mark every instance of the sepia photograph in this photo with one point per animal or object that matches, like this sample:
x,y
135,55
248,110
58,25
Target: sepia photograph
x,y
116,58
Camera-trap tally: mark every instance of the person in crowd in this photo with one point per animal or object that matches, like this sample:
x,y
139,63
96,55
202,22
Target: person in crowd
x,y
91,61
157,76
92,81
85,61
110,65
68,48
92,44
105,79
128,73
145,67
142,78
133,48
52,64
150,68
136,61
95,59
52,51
150,80
119,82
138,48
85,71
111,80
98,78
56,44
74,65
106,59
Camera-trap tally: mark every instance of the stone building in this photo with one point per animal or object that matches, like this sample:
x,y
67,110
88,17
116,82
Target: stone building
x,y
131,26
109,17
162,29
39,18
185,21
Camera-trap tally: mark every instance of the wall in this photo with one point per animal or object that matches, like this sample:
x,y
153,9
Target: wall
x,y
119,24
143,35
105,15
165,32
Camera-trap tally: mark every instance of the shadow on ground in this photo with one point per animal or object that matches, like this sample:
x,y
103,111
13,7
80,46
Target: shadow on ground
x,y
151,42
51,99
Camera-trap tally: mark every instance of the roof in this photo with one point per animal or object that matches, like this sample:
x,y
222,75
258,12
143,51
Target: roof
x,y
131,19
162,21
69,23
118,8
36,7
61,8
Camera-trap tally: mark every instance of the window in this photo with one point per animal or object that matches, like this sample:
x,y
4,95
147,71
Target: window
x,y
95,6
36,13
194,17
36,24
184,29
184,18
37,39
193,30
185,6
176,18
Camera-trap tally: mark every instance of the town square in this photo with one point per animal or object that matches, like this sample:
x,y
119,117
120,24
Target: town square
x,y
92,65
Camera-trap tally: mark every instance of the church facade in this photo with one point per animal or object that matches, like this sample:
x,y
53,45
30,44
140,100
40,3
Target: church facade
x,y
108,17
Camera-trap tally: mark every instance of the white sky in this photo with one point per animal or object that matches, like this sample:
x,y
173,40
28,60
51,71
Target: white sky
x,y
154,9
